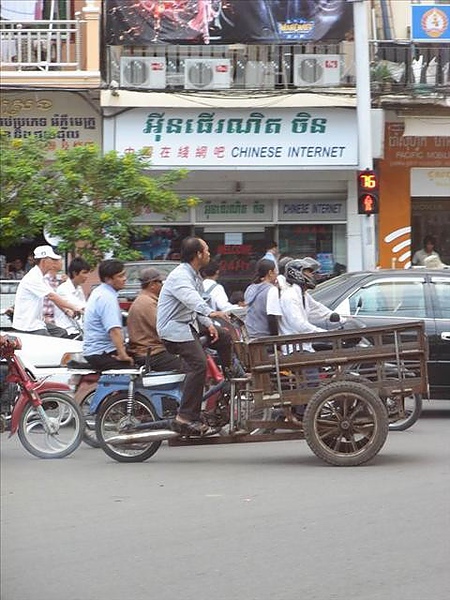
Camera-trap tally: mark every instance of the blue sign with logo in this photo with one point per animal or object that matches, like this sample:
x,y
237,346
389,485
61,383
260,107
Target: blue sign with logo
x,y
430,23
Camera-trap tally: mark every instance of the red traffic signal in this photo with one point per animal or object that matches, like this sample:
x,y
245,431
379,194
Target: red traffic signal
x,y
367,192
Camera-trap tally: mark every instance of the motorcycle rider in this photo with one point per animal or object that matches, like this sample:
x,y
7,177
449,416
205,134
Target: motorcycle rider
x,y
104,343
182,316
262,299
299,310
31,291
72,290
144,343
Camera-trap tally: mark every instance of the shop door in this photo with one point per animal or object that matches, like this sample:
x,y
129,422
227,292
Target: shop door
x,y
237,254
431,216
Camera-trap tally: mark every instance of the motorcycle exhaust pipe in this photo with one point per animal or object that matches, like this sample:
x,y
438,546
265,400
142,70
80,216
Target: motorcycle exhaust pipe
x,y
142,437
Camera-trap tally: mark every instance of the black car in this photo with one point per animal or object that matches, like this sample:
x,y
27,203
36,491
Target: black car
x,y
391,296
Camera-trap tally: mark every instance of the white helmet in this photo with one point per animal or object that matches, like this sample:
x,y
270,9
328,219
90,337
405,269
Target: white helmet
x,y
295,272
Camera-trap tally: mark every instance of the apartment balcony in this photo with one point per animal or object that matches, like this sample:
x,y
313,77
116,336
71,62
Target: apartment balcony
x,y
51,54
398,69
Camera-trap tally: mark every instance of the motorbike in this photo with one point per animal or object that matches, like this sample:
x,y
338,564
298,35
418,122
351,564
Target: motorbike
x,y
91,388
47,420
334,398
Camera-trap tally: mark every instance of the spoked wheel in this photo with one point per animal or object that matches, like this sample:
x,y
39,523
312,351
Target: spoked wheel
x,y
65,421
89,435
113,420
345,423
412,411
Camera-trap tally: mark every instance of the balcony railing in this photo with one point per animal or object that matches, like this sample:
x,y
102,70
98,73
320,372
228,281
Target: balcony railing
x,y
401,68
41,45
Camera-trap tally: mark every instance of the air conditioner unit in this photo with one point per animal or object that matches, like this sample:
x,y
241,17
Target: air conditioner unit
x,y
147,72
317,70
259,75
207,73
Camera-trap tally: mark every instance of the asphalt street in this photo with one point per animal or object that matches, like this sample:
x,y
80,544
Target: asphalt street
x,y
266,521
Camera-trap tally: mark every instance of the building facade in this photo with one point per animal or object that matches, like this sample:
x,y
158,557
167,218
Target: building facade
x,y
257,99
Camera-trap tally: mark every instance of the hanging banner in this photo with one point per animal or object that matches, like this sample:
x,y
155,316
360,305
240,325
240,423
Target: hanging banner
x,y
143,22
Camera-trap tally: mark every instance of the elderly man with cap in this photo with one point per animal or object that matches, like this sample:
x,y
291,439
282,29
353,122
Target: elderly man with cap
x,y
144,343
31,291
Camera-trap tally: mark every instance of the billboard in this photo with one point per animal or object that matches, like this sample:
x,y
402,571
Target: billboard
x,y
144,22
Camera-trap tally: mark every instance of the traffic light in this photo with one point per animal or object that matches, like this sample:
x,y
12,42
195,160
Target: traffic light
x,y
367,192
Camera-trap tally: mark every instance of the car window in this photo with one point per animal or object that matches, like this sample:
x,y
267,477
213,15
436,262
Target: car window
x,y
133,270
443,296
399,298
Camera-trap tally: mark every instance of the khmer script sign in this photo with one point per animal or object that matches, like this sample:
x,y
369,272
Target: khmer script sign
x,y
222,138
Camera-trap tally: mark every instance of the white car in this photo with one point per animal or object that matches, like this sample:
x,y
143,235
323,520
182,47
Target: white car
x,y
42,354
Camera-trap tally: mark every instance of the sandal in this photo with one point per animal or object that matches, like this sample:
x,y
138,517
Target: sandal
x,y
191,428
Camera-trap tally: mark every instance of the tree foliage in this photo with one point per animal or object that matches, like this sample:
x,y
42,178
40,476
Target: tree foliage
x,y
86,198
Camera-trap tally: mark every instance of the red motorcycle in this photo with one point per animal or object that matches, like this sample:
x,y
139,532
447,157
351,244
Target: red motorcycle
x,y
48,422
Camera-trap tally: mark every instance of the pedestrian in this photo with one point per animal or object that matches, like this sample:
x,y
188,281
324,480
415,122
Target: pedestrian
x,y
71,289
30,262
104,342
272,253
183,315
31,291
144,343
429,244
262,300
16,269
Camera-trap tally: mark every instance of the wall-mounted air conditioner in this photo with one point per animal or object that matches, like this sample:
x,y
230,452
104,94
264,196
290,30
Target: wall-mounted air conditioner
x,y
317,70
259,75
147,72
207,73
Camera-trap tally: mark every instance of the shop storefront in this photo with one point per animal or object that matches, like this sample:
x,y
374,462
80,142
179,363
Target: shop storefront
x,y
430,209
415,195
285,174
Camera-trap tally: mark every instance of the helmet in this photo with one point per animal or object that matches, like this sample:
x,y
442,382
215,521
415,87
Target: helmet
x,y
295,272
283,262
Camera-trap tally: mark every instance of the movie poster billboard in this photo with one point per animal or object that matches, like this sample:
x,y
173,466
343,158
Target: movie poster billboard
x,y
145,22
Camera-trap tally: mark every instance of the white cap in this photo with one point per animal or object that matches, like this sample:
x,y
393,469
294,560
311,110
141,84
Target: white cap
x,y
46,252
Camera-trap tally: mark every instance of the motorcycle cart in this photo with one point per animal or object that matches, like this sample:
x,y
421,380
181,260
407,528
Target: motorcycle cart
x,y
336,398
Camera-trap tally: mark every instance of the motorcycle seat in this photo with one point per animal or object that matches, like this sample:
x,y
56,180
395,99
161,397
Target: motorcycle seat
x,y
79,364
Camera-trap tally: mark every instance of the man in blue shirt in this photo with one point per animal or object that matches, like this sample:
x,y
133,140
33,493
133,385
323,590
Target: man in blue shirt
x,y
104,344
182,315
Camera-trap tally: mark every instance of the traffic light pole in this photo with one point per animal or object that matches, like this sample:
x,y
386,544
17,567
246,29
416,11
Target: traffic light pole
x,y
363,109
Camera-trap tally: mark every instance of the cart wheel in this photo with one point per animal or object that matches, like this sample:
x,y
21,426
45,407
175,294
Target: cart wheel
x,y
345,423
412,408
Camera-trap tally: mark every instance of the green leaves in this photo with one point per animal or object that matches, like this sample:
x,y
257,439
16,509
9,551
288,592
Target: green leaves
x,y
86,198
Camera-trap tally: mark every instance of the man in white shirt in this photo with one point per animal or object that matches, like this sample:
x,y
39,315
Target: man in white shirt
x,y
31,291
214,292
72,291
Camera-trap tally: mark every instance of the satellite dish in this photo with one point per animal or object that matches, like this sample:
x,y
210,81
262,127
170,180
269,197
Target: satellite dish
x,y
52,239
